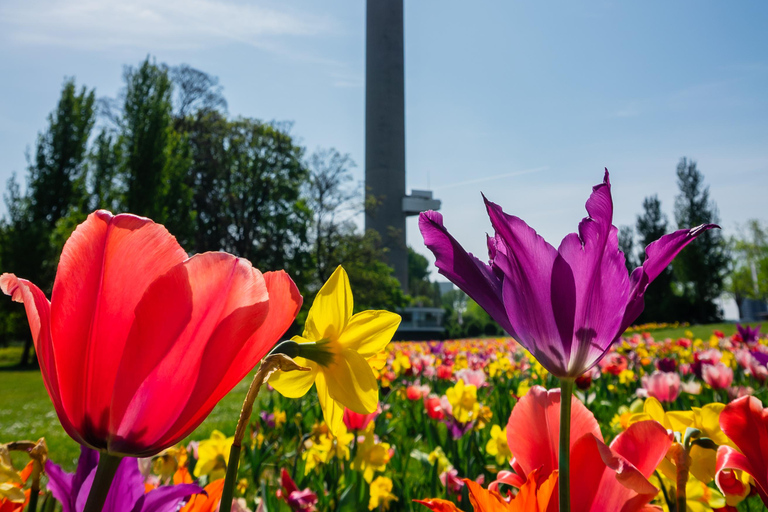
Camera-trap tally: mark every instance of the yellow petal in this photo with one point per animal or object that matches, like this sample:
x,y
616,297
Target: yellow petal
x,y
331,309
703,462
294,384
12,493
653,408
369,332
332,411
679,421
351,383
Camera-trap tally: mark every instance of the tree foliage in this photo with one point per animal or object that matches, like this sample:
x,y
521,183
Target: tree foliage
x,y
700,269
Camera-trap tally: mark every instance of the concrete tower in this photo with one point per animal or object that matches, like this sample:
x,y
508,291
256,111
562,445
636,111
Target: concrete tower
x,y
387,205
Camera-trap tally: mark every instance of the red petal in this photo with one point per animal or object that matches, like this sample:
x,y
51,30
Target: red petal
x,y
534,427
745,422
189,327
105,267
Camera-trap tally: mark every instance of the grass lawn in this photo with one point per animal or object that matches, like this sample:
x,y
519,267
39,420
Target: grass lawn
x,y
26,412
699,331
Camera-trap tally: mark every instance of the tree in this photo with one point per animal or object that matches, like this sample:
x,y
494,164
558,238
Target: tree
x,y
56,185
155,158
700,268
748,278
196,91
332,201
627,246
661,303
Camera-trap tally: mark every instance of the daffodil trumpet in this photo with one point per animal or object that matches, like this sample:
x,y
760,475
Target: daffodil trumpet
x,y
271,363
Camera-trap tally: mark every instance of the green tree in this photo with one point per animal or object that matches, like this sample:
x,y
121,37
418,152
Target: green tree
x,y
700,268
155,163
748,278
56,185
627,246
661,303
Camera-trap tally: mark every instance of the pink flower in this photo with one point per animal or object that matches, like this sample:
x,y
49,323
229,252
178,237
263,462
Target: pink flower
x,y
719,376
301,501
663,386
451,481
474,377
415,392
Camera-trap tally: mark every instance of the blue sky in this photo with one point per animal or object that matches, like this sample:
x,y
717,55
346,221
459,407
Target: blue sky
x,y
526,101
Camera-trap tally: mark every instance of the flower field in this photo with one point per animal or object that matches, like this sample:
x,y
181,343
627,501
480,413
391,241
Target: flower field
x,y
445,416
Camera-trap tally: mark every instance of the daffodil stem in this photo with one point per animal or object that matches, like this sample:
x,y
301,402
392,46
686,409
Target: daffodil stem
x,y
102,481
269,365
683,465
564,480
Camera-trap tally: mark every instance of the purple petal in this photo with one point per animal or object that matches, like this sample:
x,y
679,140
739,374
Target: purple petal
x,y
64,486
658,255
467,272
165,499
527,263
601,283
127,487
60,485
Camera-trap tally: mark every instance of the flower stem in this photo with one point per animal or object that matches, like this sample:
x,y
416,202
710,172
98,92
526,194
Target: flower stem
x,y
564,480
105,473
269,365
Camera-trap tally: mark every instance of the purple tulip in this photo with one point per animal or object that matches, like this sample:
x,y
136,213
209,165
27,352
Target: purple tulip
x,y
126,493
747,333
566,305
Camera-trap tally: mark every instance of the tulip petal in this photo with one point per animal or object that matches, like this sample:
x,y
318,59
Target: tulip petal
x,y
745,422
331,309
438,505
368,332
295,384
600,279
197,316
105,267
351,382
539,411
486,500
658,255
333,412
284,304
464,270
127,487
644,445
527,263
166,498
38,311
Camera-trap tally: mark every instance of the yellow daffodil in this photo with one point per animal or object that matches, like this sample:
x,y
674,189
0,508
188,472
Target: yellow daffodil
x,y
381,494
437,456
699,496
280,418
336,346
10,481
213,454
497,445
323,447
371,455
463,400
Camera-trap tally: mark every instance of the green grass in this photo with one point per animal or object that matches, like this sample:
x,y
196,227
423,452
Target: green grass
x,y
699,331
26,412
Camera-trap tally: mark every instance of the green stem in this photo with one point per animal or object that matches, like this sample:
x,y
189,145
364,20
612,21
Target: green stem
x,y
564,480
105,473
229,481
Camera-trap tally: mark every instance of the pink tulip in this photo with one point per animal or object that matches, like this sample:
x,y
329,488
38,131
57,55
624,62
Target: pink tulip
x,y
718,376
663,386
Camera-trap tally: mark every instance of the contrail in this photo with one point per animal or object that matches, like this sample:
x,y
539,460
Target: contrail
x,y
491,178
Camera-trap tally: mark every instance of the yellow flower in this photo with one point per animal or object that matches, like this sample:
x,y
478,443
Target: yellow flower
x,y
699,496
523,388
626,376
168,461
280,418
463,400
213,455
342,343
381,494
10,481
497,445
371,456
484,417
324,447
437,456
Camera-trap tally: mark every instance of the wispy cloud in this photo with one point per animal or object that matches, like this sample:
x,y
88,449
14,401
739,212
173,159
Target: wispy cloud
x,y
167,24
492,178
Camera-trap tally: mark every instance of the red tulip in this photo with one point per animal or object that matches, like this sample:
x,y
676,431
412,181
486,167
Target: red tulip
x,y
139,342
745,422
434,407
611,477
355,421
